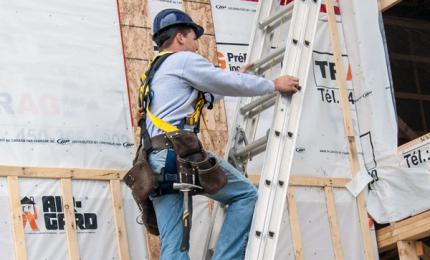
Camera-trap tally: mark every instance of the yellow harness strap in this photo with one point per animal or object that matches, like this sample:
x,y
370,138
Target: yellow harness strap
x,y
144,90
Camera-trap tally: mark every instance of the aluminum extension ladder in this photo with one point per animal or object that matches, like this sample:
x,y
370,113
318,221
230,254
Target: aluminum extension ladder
x,y
293,53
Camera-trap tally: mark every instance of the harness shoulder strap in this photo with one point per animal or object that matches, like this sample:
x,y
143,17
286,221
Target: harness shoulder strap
x,y
145,97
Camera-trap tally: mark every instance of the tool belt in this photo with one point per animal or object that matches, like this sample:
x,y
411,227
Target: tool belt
x,y
143,181
194,165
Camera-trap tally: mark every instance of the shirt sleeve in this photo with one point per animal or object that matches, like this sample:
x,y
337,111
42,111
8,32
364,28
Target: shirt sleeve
x,y
204,76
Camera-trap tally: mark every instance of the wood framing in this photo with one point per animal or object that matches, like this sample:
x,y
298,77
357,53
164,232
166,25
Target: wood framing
x,y
412,143
334,227
386,4
406,129
118,214
407,250
309,181
413,228
69,219
56,173
294,224
407,23
16,218
412,96
349,130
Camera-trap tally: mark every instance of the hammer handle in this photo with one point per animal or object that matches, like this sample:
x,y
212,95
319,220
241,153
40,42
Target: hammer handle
x,y
186,221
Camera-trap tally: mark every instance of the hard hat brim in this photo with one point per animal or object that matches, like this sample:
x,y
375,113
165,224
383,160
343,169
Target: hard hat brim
x,y
198,30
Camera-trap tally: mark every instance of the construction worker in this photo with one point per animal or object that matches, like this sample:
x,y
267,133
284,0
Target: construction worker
x,y
184,78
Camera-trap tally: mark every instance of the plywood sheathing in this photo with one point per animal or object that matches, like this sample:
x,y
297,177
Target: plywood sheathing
x,y
134,13
137,43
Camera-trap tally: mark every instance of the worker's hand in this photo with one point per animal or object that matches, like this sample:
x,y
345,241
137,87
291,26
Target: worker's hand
x,y
287,84
246,67
139,115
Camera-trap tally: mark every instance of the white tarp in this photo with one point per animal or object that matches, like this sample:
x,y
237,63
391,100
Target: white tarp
x,y
64,103
400,190
63,94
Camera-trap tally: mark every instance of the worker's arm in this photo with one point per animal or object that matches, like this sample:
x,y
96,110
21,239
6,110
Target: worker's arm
x,y
203,76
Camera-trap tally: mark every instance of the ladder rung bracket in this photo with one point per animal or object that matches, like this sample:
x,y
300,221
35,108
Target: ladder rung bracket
x,y
278,53
263,107
255,104
269,65
253,148
283,14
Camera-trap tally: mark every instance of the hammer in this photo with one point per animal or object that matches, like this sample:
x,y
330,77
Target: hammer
x,y
185,188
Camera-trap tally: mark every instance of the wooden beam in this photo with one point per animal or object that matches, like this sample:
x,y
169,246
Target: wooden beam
x,y
384,5
409,57
294,224
58,173
318,181
118,214
69,219
419,248
332,219
419,140
406,129
413,228
348,126
309,181
412,96
423,250
407,250
16,218
406,23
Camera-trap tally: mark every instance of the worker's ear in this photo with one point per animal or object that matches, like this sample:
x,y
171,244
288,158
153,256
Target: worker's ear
x,y
180,38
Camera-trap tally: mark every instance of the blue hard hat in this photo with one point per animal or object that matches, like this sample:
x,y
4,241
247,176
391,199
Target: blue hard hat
x,y
171,17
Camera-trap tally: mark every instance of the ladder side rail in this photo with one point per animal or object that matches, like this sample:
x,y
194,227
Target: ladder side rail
x,y
290,68
312,11
255,50
275,141
256,237
271,170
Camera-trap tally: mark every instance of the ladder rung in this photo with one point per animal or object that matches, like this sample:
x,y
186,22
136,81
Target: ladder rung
x,y
272,56
259,103
283,13
263,107
254,148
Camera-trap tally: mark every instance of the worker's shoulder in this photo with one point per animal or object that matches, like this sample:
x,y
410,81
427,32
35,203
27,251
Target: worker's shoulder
x,y
186,56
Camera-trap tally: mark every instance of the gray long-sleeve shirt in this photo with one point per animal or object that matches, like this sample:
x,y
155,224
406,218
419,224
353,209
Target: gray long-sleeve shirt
x,y
177,82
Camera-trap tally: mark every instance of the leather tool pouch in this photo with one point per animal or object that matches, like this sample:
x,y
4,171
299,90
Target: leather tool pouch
x,y
143,181
194,161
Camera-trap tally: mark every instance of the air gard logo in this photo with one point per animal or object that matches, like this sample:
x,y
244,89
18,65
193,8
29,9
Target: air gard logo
x,y
29,213
52,215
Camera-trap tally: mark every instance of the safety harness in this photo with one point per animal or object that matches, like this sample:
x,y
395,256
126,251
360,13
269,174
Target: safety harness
x,y
146,95
169,173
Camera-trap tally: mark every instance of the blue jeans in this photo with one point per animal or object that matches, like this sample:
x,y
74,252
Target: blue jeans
x,y
240,196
